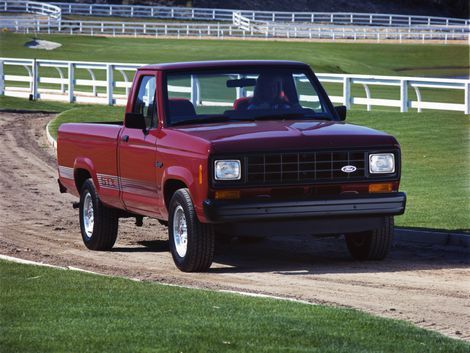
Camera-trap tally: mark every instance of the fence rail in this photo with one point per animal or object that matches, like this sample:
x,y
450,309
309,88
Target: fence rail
x,y
239,30
109,83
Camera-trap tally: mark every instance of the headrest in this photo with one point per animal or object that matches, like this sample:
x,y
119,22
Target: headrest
x,y
181,109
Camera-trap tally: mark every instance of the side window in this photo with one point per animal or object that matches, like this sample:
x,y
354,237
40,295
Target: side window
x,y
145,101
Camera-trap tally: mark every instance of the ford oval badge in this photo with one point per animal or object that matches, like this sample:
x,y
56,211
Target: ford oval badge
x,y
349,169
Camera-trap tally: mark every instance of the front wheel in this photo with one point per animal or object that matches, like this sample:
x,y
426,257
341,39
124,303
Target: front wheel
x,y
98,223
371,245
191,242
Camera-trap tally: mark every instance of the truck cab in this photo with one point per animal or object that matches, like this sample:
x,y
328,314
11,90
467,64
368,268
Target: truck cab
x,y
233,148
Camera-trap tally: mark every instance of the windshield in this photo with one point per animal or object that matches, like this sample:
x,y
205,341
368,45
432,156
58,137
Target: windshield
x,y
260,94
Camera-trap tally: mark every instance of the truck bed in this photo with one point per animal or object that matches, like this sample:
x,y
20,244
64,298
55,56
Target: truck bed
x,y
92,147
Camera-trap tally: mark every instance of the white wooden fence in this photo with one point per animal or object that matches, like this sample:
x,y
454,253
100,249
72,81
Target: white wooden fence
x,y
56,9
106,79
332,26
239,30
309,30
40,8
205,14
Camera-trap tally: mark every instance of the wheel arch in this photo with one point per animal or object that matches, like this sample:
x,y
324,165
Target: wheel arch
x,y
84,169
170,187
174,178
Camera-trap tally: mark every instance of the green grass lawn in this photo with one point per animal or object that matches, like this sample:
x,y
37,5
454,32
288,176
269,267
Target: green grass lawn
x,y
436,163
354,58
52,310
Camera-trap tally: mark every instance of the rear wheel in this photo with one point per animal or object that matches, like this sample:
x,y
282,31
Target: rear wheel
x,y
371,245
98,223
191,242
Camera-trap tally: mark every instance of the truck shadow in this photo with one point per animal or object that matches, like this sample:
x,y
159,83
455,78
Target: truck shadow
x,y
146,246
300,255
293,256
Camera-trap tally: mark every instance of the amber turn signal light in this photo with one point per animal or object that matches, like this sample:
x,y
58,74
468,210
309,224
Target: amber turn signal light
x,y
382,187
227,195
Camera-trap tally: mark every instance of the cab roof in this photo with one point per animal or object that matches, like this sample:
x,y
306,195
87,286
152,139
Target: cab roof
x,y
220,64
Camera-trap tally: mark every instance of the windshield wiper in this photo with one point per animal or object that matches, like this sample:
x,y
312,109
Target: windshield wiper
x,y
288,116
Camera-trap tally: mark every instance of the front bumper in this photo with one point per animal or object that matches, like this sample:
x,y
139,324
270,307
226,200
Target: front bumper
x,y
387,204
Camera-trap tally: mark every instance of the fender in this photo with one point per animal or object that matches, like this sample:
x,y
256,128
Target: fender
x,y
181,174
86,164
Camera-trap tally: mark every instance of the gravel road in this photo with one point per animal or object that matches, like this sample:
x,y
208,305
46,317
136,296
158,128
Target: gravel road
x,y
429,287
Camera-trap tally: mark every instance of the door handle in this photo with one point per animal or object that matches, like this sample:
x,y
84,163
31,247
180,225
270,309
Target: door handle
x,y
125,138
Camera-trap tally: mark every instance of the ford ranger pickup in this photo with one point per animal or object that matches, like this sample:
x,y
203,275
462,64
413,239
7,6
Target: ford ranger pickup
x,y
232,148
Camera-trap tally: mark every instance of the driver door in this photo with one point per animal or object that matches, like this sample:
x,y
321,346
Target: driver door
x,y
137,152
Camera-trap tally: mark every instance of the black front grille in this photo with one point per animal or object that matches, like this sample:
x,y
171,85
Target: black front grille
x,y
304,167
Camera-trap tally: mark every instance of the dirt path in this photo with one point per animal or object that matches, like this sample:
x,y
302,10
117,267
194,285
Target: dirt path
x,y
428,287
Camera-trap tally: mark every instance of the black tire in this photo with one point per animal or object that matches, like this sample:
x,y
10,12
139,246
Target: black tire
x,y
103,232
371,245
199,250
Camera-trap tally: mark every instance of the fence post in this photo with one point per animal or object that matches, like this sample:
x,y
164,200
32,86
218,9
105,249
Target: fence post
x,y
34,93
2,79
71,69
467,97
195,91
347,92
109,83
403,96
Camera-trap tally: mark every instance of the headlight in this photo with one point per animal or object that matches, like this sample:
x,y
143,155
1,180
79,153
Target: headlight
x,y
382,163
227,170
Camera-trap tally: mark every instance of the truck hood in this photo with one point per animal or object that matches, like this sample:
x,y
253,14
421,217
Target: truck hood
x,y
286,135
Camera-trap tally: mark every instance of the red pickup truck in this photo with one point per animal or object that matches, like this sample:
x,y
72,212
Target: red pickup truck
x,y
232,148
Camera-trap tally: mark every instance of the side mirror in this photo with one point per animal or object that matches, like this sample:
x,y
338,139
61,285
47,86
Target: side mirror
x,y
341,111
135,121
